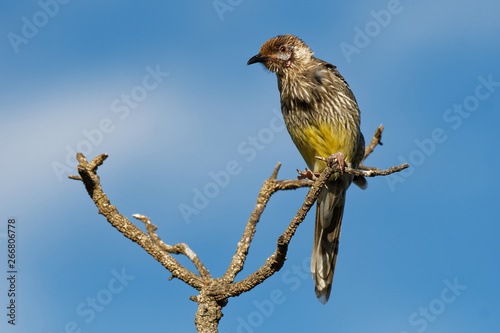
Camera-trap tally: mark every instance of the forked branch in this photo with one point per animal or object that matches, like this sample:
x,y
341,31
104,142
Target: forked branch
x,y
214,292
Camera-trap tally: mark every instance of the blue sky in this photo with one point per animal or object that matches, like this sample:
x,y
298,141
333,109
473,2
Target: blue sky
x,y
418,250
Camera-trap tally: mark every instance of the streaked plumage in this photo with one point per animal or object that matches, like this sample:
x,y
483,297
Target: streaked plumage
x,y
322,117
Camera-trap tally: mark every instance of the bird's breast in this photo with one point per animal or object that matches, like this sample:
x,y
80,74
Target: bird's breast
x,y
320,138
321,119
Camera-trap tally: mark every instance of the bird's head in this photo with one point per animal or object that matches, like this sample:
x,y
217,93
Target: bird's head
x,y
282,53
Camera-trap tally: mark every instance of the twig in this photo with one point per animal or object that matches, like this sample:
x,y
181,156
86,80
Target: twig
x,y
375,141
87,171
180,248
268,188
371,172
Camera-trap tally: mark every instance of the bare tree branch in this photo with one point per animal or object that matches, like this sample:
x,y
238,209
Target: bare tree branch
x,y
277,259
371,172
180,248
375,141
242,250
87,171
214,292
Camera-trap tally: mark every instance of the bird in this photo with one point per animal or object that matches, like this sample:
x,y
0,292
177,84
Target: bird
x,y
322,117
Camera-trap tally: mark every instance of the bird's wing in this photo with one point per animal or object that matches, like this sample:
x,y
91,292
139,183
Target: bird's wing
x,y
326,67
360,181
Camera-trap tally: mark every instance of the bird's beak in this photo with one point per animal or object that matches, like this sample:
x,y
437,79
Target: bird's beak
x,y
257,58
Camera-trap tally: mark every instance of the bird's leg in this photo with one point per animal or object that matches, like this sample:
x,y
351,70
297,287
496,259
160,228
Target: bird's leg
x,y
306,174
340,160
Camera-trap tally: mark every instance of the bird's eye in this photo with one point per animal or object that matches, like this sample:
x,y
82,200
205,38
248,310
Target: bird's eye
x,y
283,48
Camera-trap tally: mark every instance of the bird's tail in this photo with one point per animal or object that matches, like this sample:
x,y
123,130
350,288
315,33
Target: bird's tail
x,y
329,211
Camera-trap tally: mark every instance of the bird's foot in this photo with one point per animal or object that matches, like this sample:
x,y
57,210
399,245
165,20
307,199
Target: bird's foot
x,y
339,158
307,174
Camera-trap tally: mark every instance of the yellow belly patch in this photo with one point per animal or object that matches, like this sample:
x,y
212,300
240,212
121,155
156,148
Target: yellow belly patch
x,y
323,139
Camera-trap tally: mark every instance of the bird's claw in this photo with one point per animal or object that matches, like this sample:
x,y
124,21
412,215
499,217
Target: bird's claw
x,y
340,161
306,174
338,157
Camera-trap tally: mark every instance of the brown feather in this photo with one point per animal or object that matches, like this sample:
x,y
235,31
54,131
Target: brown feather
x,y
329,212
